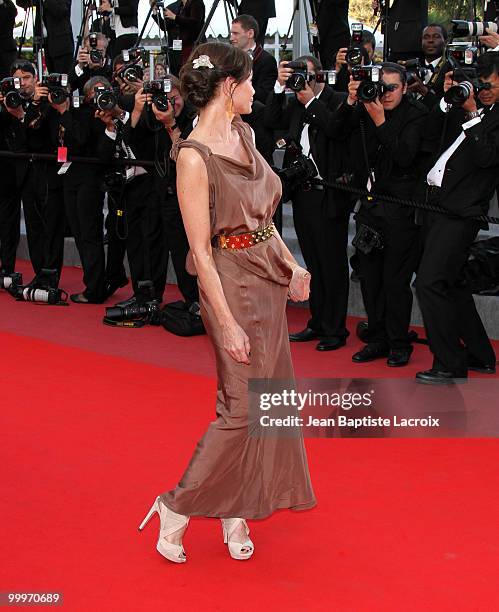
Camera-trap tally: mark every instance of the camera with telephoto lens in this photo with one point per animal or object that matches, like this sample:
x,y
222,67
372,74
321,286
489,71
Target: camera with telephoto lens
x,y
104,98
301,76
11,92
57,85
96,55
370,86
42,290
414,70
146,311
159,90
355,52
461,29
11,282
463,59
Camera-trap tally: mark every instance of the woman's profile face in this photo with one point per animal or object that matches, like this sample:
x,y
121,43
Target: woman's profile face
x,y
242,97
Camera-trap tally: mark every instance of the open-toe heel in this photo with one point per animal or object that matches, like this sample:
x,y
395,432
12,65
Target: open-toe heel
x,y
170,522
237,550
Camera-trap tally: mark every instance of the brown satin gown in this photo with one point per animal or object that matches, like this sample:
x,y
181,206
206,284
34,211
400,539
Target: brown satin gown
x,y
230,473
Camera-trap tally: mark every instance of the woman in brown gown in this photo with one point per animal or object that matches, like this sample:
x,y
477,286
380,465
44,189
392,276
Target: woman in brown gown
x,y
226,188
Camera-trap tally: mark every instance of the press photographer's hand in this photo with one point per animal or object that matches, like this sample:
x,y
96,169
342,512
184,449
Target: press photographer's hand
x,y
353,86
341,59
449,81
283,73
305,95
376,111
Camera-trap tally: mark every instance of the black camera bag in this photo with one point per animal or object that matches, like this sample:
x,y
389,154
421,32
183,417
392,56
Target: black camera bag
x,y
177,319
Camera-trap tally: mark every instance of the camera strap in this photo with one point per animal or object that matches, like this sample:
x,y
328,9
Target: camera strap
x,y
130,324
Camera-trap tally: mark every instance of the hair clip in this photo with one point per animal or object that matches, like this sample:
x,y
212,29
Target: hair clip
x,y
203,61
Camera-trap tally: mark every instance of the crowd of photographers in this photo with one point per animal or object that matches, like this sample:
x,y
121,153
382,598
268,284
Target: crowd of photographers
x,y
425,131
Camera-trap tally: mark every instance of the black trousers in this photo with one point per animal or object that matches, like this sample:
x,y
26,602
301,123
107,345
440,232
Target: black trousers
x,y
126,41
84,202
10,218
176,245
323,242
452,323
116,242
144,235
61,63
44,219
385,276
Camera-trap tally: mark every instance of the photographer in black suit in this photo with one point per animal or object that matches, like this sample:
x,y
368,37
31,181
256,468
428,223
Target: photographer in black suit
x,y
56,31
430,90
320,215
406,19
177,122
384,147
91,61
461,180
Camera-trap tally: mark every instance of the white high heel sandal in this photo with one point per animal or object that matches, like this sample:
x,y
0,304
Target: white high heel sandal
x,y
170,522
237,550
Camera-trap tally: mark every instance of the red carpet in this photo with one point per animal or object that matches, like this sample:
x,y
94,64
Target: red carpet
x,y
97,421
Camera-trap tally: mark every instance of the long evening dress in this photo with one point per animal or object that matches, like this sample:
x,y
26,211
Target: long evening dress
x,y
232,474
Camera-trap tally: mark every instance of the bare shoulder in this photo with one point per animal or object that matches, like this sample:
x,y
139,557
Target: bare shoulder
x,y
190,159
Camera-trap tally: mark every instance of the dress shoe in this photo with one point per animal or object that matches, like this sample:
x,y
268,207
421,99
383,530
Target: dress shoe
x,y
304,336
476,366
330,344
370,352
131,301
399,357
81,298
438,377
113,286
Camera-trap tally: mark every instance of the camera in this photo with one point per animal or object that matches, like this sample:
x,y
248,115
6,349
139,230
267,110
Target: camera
x,y
462,54
96,55
299,172
131,73
415,71
159,89
57,85
301,76
134,55
11,282
147,311
11,91
460,28
370,86
104,98
43,289
463,57
458,94
355,52
367,239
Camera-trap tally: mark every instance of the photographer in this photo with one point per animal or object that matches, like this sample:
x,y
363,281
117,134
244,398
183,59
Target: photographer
x,y
343,68
386,128
53,25
177,122
27,130
320,216
78,131
124,20
10,204
91,61
461,179
429,90
128,136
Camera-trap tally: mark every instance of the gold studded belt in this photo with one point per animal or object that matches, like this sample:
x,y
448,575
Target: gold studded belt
x,y
242,241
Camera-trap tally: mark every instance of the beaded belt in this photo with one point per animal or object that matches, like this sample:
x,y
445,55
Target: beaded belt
x,y
242,241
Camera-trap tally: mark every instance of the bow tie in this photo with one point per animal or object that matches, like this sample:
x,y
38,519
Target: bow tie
x,y
430,67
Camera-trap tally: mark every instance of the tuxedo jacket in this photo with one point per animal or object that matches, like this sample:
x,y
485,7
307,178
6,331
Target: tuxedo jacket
x,y
264,74
406,20
284,112
472,172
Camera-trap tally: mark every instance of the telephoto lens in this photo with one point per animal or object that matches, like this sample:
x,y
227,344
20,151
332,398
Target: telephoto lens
x,y
458,94
461,29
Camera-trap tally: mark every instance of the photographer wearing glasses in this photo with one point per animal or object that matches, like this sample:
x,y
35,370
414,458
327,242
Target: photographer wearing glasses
x,y
27,122
92,60
320,215
462,177
386,128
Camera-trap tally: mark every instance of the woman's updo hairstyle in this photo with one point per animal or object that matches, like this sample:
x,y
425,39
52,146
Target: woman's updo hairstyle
x,y
199,85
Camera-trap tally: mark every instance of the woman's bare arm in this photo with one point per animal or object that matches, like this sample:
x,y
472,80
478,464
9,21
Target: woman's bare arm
x,y
193,196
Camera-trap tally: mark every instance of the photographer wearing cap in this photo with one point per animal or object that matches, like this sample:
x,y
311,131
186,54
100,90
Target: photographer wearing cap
x,y
386,128
320,215
462,177
177,122
92,60
27,130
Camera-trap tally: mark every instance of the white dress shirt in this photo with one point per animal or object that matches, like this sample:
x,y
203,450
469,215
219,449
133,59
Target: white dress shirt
x,y
430,73
132,171
436,175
